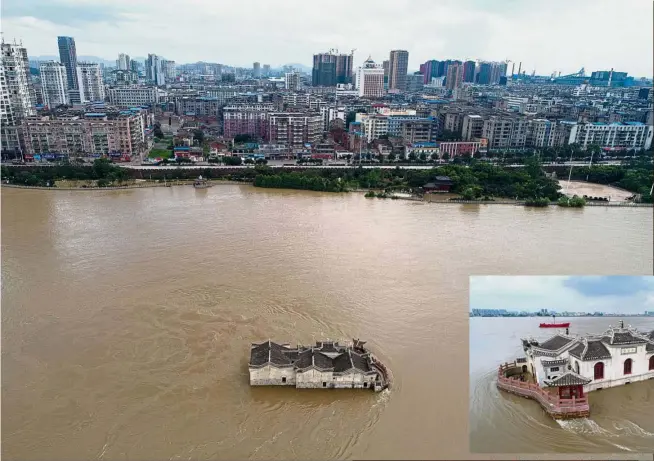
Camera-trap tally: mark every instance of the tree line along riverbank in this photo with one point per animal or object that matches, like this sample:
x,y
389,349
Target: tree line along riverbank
x,y
476,181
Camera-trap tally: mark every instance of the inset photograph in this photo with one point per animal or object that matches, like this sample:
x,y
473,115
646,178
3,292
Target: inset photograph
x,y
561,364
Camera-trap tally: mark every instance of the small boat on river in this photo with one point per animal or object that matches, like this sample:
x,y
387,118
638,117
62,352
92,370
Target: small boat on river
x,y
201,183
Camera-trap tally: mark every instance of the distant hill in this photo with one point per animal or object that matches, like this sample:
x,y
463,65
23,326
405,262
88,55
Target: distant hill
x,y
106,62
301,67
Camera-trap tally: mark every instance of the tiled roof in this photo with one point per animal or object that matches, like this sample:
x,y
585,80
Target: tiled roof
x,y
595,351
320,360
259,354
305,357
342,363
620,338
569,378
277,355
360,362
555,343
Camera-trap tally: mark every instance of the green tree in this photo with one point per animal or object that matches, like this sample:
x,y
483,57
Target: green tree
x,y
199,135
156,131
232,160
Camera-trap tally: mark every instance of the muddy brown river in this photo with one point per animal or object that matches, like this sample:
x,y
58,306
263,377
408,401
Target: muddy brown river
x,y
127,315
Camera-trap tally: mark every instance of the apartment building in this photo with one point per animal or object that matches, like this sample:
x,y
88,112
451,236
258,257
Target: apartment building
x,y
246,119
613,136
472,127
89,79
504,132
132,96
373,126
17,78
202,106
9,132
420,131
54,84
397,70
293,129
85,134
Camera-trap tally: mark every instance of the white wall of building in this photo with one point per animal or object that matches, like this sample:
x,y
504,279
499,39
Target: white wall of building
x,y
54,84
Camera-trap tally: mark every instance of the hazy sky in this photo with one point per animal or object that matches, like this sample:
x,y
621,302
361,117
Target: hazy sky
x,y
551,35
615,294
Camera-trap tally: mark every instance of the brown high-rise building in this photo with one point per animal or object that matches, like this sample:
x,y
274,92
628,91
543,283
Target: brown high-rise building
x,y
454,76
397,70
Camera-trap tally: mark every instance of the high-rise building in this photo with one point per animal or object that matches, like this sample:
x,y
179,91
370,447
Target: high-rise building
x,y
256,70
9,133
454,76
330,69
68,57
123,62
324,70
154,70
370,80
292,81
484,75
266,70
469,71
415,82
17,78
135,66
91,85
344,68
429,70
386,65
54,84
397,70
169,69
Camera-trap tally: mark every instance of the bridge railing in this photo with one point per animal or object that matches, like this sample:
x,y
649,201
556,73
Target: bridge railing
x,y
552,403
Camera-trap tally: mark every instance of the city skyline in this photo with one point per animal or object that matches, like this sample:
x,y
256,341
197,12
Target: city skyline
x,y
518,31
608,294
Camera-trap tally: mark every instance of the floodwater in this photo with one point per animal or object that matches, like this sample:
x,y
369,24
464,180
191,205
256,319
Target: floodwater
x,y
621,417
127,315
582,188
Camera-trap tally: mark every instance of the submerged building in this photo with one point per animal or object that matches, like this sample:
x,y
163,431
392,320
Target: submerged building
x,y
559,372
327,365
620,355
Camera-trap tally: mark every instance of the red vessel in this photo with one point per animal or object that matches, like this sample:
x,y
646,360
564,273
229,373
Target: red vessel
x,y
555,325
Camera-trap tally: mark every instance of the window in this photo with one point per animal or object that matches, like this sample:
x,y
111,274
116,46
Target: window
x,y
627,366
283,379
599,370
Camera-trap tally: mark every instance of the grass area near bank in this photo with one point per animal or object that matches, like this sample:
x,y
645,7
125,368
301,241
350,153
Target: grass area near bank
x,y
160,153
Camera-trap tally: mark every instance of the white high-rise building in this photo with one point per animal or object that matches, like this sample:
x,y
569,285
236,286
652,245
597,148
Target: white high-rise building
x,y
89,78
292,81
370,80
169,70
123,62
17,77
54,84
9,140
